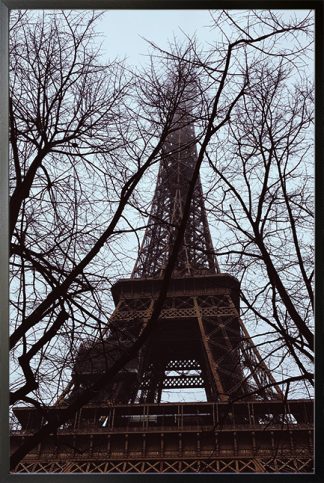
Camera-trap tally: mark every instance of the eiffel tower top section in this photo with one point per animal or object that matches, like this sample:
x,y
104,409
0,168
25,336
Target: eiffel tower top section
x,y
178,159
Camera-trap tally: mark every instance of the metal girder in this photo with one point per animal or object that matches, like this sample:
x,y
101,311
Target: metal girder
x,y
203,465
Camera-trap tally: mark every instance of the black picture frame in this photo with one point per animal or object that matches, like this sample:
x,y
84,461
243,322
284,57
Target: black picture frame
x,y
5,6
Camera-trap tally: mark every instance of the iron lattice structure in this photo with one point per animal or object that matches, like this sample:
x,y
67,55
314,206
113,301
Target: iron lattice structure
x,y
199,343
196,255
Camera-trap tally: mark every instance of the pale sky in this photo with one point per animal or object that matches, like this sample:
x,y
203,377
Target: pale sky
x,y
122,30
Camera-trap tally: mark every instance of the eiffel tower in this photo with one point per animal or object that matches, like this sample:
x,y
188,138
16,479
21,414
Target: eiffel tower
x,y
136,422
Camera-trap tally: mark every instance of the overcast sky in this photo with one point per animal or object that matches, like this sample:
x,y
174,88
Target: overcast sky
x,y
122,30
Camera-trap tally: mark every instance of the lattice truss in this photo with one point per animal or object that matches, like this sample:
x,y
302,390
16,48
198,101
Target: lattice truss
x,y
196,255
224,359
229,465
200,342
219,355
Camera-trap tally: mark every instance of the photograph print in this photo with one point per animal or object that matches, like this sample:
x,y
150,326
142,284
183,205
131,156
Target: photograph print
x,y
161,241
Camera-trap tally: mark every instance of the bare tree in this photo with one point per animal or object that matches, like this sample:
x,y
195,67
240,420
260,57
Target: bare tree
x,y
64,112
71,133
260,194
262,197
83,135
